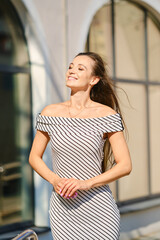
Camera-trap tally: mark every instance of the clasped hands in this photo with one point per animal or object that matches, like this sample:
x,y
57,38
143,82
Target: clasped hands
x,y
68,187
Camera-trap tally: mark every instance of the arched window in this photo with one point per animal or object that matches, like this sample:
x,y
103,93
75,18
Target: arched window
x,y
128,37
15,120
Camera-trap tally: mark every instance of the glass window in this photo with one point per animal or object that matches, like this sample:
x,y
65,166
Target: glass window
x,y
100,37
129,41
153,51
154,102
15,129
134,113
13,50
135,55
15,122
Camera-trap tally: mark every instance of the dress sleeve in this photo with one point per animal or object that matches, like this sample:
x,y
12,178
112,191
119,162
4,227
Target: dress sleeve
x,y
42,124
114,123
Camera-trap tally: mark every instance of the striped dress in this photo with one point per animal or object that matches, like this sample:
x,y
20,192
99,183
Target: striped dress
x,y
77,152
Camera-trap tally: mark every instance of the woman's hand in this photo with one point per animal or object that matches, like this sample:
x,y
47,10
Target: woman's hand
x,y
68,187
58,181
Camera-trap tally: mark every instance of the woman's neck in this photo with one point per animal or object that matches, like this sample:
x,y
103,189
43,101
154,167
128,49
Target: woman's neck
x,y
80,100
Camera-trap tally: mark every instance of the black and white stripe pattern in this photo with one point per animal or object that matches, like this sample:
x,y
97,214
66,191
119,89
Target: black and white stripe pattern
x,y
77,147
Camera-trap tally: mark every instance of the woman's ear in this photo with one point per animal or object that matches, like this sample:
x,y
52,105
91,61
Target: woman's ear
x,y
94,81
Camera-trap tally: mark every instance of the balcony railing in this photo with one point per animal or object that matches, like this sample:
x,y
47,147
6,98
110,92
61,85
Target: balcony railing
x,y
26,235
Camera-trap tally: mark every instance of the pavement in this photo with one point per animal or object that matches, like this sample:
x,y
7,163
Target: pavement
x,y
150,232
134,235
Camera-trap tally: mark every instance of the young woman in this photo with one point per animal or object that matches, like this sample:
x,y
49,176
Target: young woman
x,y
81,205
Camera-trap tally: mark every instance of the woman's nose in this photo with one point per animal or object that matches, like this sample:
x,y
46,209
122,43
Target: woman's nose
x,y
72,70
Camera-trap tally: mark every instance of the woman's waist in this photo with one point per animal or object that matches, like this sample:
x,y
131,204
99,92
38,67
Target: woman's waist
x,y
101,194
77,175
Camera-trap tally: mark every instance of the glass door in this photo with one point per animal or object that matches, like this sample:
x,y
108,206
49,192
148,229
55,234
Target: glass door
x,y
15,141
16,195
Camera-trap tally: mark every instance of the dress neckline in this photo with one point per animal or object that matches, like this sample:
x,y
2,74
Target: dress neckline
x,y
72,118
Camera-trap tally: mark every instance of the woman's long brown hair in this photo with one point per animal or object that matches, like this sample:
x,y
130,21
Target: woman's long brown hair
x,y
103,92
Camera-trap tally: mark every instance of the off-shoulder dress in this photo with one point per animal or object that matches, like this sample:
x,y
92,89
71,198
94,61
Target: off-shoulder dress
x,y
77,152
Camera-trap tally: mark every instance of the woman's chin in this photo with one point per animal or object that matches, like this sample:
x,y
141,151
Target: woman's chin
x,y
68,84
71,84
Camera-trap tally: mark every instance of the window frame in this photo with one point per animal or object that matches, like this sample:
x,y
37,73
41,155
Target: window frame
x,y
144,82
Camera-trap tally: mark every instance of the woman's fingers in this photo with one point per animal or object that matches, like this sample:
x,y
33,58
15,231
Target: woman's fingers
x,y
66,188
59,183
71,192
69,188
73,196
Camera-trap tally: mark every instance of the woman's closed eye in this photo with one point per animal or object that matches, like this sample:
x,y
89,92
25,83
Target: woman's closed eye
x,y
81,69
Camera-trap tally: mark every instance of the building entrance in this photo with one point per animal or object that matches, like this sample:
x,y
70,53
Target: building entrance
x,y
16,196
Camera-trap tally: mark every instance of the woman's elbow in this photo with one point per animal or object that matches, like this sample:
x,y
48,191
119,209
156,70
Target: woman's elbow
x,y
128,169
30,160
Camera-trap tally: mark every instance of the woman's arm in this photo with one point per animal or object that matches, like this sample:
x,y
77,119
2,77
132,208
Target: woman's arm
x,y
123,167
38,147
123,162
35,159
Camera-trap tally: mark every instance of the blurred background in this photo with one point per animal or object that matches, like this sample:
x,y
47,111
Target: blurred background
x,y
38,40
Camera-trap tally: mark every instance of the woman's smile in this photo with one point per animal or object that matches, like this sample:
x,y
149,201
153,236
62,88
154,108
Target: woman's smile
x,y
72,78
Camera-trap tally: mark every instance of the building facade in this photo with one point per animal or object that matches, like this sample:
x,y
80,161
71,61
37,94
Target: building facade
x,y
37,42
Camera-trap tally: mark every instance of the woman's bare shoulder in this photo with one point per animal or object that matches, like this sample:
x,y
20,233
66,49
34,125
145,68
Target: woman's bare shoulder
x,y
109,111
54,109
104,110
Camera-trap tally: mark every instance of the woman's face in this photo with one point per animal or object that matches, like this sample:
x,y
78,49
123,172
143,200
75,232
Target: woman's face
x,y
79,74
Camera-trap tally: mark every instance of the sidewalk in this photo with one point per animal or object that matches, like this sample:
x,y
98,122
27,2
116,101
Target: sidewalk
x,y
150,232
45,236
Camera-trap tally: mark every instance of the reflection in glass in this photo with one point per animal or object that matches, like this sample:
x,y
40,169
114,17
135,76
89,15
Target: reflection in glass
x,y
15,142
154,102
13,50
15,121
100,35
129,41
134,113
153,51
